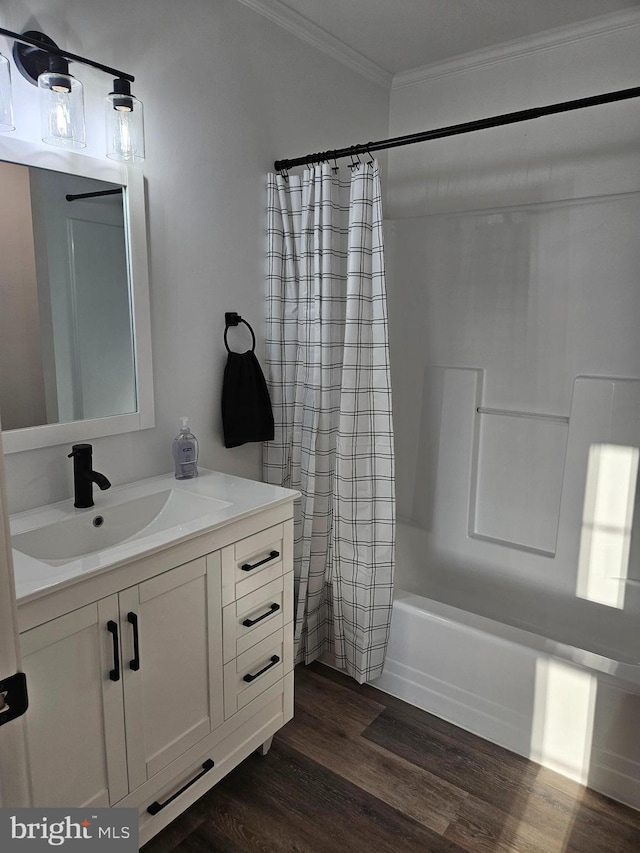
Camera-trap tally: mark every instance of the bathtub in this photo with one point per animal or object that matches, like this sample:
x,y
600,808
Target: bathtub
x,y
570,705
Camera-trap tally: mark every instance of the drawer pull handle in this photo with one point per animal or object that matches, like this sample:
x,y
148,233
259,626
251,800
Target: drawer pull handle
x,y
112,628
252,677
156,807
134,663
246,567
249,623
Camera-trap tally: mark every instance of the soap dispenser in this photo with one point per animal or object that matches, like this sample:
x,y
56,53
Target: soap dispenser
x,y
185,453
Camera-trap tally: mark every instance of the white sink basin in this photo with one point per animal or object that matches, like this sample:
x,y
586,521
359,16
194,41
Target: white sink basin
x,y
97,529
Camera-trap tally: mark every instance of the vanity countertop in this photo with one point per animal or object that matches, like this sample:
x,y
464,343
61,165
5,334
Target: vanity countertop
x,y
224,499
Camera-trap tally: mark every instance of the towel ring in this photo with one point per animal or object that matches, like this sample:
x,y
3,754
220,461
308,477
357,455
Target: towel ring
x,y
232,318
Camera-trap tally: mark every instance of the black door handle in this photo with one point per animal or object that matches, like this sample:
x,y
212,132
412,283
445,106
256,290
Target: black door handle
x,y
156,807
112,628
134,663
248,623
246,567
252,677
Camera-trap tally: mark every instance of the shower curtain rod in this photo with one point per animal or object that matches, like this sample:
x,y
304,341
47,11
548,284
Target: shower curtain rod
x,y
456,129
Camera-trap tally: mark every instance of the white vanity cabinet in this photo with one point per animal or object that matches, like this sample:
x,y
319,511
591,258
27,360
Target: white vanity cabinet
x,y
75,721
148,695
141,668
171,664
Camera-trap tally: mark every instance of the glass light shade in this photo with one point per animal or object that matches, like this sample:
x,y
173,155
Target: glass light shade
x,y
61,110
6,109
124,126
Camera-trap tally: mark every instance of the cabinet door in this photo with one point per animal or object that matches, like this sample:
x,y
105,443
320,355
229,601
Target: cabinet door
x,y
74,723
172,681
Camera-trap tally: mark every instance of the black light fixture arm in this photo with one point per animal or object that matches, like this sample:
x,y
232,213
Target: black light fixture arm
x,y
456,129
51,48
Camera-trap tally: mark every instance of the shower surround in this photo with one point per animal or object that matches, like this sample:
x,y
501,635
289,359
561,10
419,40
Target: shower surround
x,y
513,267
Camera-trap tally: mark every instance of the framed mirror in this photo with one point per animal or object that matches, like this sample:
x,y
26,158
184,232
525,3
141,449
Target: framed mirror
x,y
75,341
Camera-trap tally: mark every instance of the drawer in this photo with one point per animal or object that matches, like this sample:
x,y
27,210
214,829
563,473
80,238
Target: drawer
x,y
256,560
255,616
255,670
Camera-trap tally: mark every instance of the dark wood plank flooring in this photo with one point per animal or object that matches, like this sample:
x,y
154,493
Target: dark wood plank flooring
x,y
357,771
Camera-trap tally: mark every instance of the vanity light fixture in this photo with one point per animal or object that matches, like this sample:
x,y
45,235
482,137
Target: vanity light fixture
x,y
61,106
43,63
124,124
6,109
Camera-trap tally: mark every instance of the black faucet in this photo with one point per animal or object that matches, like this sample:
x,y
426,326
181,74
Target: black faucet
x,y
84,476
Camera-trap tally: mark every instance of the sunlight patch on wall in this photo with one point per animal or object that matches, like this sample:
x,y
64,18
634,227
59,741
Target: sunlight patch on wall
x,y
607,520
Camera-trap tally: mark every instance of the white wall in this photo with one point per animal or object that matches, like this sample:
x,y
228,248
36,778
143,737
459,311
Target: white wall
x,y
225,92
513,260
575,154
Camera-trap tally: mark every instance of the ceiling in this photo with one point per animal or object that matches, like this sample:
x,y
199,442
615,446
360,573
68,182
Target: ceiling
x,y
400,35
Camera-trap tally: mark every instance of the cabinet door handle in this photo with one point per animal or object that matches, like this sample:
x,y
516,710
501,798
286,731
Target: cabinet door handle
x,y
249,623
112,628
156,807
134,663
252,677
247,567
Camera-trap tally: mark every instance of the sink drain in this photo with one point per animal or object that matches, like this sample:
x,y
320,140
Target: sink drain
x,y
98,521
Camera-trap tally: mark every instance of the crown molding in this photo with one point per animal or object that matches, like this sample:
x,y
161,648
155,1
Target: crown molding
x,y
301,27
548,40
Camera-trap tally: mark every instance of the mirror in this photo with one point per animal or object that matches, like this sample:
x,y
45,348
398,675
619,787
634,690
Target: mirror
x,y
66,339
75,357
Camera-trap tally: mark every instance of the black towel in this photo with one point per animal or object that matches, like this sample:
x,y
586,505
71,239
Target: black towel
x,y
246,407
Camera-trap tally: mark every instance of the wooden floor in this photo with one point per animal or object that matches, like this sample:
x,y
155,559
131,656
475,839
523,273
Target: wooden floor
x,y
357,770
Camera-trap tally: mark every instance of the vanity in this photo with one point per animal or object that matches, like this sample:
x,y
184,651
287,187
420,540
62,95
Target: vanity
x,y
156,633
156,627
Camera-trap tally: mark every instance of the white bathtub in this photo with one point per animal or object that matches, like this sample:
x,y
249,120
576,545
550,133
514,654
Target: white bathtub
x,y
567,707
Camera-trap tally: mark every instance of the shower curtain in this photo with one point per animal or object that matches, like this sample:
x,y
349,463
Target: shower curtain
x,y
327,368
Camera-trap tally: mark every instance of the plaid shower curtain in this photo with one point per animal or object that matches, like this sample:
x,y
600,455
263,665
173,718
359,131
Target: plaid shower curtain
x,y
327,368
